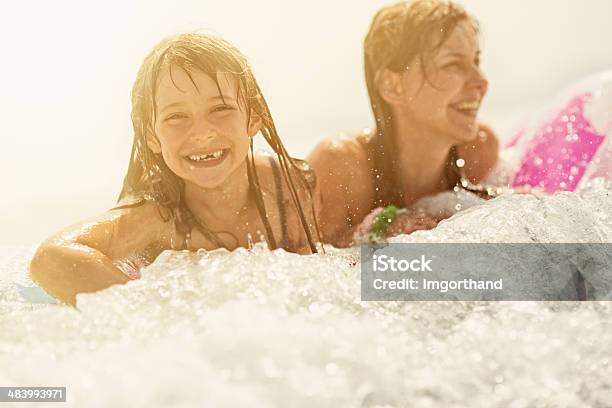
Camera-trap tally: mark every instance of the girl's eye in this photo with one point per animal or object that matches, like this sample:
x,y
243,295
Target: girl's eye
x,y
176,116
222,108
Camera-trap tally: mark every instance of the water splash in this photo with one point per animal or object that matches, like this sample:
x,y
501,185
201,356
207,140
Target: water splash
x,y
259,328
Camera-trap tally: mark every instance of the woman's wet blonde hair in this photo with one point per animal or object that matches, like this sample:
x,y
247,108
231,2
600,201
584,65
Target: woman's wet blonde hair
x,y
400,34
149,178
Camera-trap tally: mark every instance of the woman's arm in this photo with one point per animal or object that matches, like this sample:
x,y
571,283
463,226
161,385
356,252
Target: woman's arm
x,y
81,257
344,180
481,155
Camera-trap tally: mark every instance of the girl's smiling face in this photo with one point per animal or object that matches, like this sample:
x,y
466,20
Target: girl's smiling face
x,y
201,129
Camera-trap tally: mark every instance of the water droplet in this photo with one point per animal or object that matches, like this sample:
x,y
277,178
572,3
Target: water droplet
x,y
458,207
460,163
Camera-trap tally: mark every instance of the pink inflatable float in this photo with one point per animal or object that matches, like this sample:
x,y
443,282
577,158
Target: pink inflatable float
x,y
572,143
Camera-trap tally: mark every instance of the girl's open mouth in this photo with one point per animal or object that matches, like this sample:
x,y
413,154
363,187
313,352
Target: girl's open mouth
x,y
211,159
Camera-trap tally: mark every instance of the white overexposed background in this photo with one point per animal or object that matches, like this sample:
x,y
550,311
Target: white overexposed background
x,y
67,70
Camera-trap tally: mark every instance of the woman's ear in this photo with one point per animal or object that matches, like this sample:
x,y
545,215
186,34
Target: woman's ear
x,y
254,125
390,87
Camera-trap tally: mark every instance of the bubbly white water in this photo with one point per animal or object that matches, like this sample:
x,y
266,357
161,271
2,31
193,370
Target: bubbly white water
x,y
274,329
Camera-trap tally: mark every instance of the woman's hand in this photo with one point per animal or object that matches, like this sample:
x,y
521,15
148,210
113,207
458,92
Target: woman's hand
x,y
407,223
528,190
390,221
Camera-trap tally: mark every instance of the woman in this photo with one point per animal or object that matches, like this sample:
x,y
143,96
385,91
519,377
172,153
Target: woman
x,y
425,86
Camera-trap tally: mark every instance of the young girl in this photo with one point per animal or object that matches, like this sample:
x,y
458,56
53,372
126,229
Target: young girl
x,y
193,179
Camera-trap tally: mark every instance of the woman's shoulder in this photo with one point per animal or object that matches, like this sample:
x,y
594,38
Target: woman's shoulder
x,y
345,155
344,165
353,144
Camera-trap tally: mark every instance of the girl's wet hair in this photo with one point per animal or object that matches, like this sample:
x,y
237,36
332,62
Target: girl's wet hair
x,y
399,35
148,177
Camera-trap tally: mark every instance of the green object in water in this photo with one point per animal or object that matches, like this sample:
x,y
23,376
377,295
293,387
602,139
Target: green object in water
x,y
383,220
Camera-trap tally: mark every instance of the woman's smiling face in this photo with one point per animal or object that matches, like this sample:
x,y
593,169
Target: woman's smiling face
x,y
444,95
201,129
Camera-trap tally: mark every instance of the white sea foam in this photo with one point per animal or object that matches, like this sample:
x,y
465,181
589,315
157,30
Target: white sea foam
x,y
267,329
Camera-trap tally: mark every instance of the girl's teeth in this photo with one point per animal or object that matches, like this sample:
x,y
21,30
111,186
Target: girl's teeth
x,y
211,156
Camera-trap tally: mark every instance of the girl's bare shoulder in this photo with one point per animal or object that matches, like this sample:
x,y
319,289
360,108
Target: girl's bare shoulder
x,y
279,193
121,231
273,181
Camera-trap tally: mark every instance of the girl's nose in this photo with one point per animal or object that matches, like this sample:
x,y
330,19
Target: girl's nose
x,y
203,131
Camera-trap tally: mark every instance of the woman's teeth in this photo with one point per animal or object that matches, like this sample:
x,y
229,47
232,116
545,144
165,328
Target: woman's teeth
x,y
209,156
468,105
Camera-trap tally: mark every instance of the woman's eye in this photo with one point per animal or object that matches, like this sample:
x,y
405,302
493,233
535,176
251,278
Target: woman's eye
x,y
453,65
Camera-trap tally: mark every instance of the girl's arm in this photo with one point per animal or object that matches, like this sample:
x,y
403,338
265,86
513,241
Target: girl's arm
x,y
80,258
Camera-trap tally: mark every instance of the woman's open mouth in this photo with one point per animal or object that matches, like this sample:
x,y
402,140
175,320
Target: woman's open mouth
x,y
468,108
209,159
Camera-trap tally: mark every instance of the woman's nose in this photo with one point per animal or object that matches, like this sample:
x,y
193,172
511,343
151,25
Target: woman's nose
x,y
479,80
